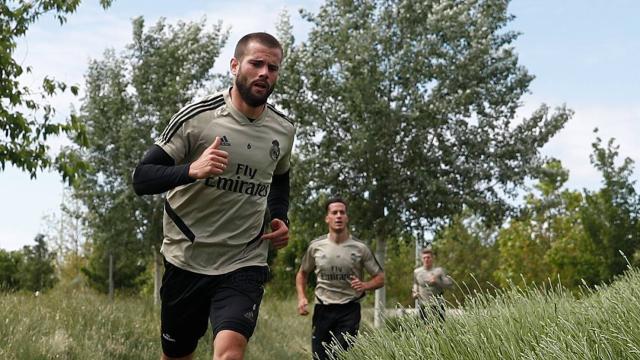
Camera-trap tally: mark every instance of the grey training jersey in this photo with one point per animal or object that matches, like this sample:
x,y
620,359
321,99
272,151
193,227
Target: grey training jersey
x,y
213,226
334,264
429,293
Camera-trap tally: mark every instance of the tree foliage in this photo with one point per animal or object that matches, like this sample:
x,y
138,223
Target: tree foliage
x,y
36,270
611,215
409,109
398,272
65,229
31,268
549,224
26,118
130,99
577,238
9,261
466,248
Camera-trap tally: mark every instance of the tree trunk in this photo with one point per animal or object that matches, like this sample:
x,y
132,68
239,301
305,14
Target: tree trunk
x,y
157,278
418,261
111,276
381,294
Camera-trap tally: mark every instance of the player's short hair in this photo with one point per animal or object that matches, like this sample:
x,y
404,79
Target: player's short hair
x,y
427,250
334,200
262,38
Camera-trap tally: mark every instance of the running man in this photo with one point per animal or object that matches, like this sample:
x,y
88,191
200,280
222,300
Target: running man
x,y
224,163
338,260
429,283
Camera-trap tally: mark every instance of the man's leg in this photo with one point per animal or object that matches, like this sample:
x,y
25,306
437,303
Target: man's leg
x,y
234,310
348,323
423,311
438,311
229,345
321,331
184,312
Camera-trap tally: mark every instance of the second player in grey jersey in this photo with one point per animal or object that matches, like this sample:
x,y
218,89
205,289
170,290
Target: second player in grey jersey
x,y
339,262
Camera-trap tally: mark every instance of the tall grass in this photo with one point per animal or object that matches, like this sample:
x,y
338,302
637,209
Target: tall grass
x,y
539,323
76,325
84,325
281,333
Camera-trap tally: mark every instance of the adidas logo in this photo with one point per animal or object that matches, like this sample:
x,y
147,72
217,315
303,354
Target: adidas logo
x,y
225,141
249,315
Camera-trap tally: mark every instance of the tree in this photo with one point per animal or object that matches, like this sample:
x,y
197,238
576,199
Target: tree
x,y
130,99
9,261
611,214
407,108
547,240
25,134
65,229
398,271
36,270
66,234
467,249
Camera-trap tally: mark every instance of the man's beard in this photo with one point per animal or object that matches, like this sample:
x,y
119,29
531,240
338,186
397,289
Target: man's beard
x,y
251,99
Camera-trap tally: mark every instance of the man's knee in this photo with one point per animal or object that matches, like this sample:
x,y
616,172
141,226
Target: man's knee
x,y
229,345
229,354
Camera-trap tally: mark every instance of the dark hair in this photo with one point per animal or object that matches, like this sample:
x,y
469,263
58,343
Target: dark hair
x,y
335,200
260,37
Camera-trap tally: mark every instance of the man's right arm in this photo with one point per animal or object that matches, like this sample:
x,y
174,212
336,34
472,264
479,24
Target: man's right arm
x,y
301,284
157,173
445,280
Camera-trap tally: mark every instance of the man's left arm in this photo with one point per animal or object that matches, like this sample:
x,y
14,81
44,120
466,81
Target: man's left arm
x,y
374,268
278,199
376,282
446,280
278,205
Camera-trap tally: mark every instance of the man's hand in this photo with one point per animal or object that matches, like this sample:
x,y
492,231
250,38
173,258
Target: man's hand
x,y
358,285
432,280
279,235
212,161
302,306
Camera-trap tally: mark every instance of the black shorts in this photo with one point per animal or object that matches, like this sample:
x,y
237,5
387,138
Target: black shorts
x,y
230,301
432,312
331,323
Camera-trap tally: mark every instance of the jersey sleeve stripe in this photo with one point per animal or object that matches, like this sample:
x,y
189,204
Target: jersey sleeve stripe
x,y
191,116
186,109
279,113
186,113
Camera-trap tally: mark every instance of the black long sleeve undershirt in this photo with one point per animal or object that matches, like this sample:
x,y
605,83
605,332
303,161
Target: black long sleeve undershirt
x,y
278,199
157,173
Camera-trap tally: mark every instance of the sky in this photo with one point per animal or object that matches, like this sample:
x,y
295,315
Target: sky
x,y
583,53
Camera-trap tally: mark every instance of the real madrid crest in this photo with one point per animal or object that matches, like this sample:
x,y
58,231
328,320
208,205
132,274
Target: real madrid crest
x,y
275,150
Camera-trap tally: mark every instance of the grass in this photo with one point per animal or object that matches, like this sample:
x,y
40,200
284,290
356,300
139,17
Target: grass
x,y
514,324
85,325
78,325
539,323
